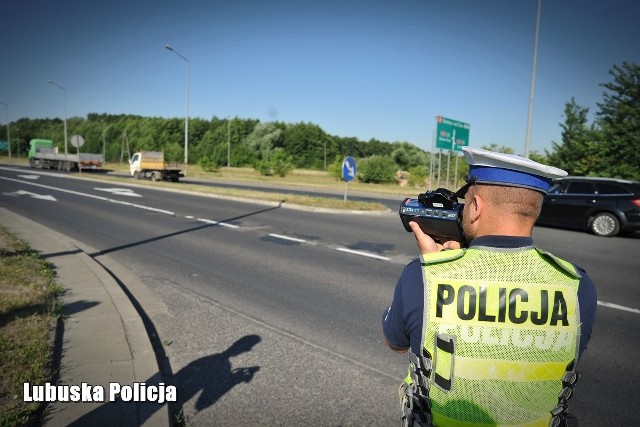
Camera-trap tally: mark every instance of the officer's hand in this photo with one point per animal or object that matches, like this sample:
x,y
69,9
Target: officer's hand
x,y
426,244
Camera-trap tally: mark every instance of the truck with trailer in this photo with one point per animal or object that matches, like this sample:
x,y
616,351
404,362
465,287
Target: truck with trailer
x,y
151,164
44,154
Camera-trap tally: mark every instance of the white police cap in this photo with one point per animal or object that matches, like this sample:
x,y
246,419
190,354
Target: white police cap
x,y
488,167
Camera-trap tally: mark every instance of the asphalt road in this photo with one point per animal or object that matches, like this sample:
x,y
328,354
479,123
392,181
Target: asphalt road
x,y
390,202
272,315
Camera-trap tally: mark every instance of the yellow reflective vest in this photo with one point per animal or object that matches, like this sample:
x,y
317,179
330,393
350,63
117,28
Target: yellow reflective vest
x,y
501,327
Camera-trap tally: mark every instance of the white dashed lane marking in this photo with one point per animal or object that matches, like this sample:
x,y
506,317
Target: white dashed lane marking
x,y
223,224
233,226
292,239
365,254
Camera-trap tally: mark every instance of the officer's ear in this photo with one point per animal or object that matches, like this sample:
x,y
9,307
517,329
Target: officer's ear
x,y
478,204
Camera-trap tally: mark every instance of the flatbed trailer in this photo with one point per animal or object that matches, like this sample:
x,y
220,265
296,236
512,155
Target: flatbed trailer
x,y
44,155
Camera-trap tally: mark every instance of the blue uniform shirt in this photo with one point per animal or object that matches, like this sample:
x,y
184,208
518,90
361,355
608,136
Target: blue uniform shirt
x,y
402,322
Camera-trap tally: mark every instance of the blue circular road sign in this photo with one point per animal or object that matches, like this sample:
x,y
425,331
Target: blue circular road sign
x,y
349,168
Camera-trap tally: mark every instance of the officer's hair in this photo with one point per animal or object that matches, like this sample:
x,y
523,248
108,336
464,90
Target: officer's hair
x,y
522,203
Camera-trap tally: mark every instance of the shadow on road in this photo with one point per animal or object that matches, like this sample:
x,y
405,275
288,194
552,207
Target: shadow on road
x,y
177,233
211,375
214,375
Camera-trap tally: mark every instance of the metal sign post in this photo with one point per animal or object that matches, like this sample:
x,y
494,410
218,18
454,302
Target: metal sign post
x,y
349,170
432,157
78,141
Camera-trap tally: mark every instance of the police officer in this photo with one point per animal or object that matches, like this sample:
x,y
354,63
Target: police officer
x,y
494,330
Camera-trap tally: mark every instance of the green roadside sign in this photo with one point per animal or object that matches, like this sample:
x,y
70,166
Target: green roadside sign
x,y
451,134
4,146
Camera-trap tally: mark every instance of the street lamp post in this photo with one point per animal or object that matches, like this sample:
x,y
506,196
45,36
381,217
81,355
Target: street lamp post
x,y
228,143
8,133
65,112
104,143
527,142
186,103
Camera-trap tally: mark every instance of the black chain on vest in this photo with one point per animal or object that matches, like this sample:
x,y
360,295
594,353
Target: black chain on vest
x,y
416,407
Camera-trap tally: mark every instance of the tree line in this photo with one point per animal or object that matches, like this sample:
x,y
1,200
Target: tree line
x,y
610,146
217,142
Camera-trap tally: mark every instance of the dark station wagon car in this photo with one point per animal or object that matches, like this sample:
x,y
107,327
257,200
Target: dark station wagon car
x,y
606,206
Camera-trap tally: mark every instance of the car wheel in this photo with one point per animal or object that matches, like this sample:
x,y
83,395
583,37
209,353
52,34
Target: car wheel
x,y
605,224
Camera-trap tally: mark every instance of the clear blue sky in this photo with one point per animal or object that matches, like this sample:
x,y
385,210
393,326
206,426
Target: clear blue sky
x,y
367,69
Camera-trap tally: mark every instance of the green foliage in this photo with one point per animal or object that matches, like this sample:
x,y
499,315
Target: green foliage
x,y
418,175
307,143
207,164
335,168
407,155
619,120
578,152
377,169
29,308
205,147
173,152
608,147
350,147
242,155
264,168
264,138
500,149
279,163
217,142
537,157
220,154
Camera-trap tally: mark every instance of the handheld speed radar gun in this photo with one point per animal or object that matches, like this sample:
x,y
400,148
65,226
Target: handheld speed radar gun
x,y
438,214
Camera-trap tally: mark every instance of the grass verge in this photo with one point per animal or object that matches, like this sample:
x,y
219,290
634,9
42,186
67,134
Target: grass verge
x,y
29,309
232,176
295,199
297,179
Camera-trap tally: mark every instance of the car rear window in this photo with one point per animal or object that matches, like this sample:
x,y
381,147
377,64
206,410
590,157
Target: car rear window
x,y
606,188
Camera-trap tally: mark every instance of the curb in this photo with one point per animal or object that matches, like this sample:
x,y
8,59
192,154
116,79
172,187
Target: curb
x,y
103,337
